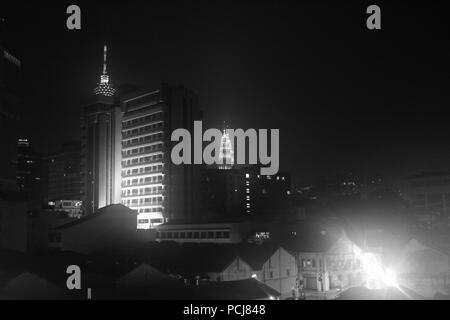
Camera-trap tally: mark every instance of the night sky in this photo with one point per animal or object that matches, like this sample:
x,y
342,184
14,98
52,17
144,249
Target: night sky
x,y
344,98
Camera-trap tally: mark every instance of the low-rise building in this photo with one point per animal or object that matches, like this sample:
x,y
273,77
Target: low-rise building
x,y
200,232
111,229
326,262
274,266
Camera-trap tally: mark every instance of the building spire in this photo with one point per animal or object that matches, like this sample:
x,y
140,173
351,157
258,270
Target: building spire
x,y
104,87
105,50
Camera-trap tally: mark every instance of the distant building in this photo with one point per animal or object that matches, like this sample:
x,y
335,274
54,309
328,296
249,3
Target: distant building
x,y
29,166
30,173
243,193
73,208
10,100
226,153
63,170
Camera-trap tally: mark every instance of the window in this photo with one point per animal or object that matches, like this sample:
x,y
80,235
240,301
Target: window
x,y
288,272
226,234
196,235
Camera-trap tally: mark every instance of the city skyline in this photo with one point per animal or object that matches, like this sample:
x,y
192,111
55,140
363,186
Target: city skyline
x,y
233,150
358,130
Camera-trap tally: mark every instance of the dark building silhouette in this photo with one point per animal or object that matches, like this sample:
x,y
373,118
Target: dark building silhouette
x,y
63,173
29,166
30,173
10,100
244,193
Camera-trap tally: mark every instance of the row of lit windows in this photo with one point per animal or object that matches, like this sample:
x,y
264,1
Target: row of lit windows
x,y
143,130
148,138
151,210
154,179
146,221
143,149
193,235
142,191
247,191
150,117
142,159
143,170
143,201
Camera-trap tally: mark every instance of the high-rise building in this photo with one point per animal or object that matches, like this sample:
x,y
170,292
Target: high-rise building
x,y
126,151
101,149
151,184
63,173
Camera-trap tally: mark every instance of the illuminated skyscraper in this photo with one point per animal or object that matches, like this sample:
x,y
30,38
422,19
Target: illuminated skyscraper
x,y
101,149
151,184
226,153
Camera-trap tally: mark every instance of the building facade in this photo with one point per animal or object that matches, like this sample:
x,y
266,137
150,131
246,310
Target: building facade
x,y
151,184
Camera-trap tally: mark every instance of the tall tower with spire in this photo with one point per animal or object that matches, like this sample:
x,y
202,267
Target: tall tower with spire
x,y
104,87
226,153
101,134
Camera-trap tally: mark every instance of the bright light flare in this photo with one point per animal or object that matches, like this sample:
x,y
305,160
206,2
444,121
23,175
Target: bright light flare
x,y
376,275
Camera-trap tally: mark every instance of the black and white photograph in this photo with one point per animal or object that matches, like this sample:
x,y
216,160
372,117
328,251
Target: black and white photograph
x,y
209,151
